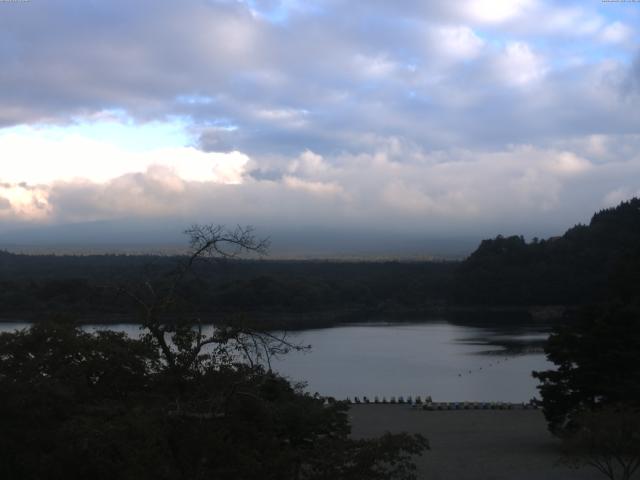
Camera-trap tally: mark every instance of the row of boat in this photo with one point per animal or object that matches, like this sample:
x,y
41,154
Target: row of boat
x,y
428,404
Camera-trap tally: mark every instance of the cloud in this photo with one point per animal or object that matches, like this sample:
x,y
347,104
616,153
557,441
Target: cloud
x,y
22,202
616,32
315,188
522,188
447,114
496,11
280,77
614,197
42,156
519,65
459,43
308,164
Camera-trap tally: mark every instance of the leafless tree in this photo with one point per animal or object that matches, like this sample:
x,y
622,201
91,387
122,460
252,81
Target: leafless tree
x,y
183,341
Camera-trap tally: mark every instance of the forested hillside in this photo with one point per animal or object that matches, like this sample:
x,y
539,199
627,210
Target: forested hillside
x,y
581,266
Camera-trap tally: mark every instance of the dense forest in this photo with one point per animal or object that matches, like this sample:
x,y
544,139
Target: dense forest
x,y
90,285
573,269
583,265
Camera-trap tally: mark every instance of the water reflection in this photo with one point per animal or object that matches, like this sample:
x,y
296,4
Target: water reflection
x,y
450,362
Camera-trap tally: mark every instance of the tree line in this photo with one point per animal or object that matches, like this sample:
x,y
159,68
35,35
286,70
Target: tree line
x,y
177,403
588,262
88,284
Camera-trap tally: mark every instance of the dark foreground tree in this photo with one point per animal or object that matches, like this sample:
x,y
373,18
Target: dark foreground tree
x,y
607,439
592,400
597,357
180,402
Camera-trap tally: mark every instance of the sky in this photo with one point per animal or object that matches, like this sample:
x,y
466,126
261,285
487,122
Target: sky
x,y
407,118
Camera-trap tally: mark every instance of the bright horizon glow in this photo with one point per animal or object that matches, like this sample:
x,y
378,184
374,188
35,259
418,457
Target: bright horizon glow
x,y
99,152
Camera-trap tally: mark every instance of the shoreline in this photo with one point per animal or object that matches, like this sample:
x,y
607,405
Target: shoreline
x,y
280,320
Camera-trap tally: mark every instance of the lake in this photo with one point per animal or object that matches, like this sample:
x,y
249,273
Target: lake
x,y
449,362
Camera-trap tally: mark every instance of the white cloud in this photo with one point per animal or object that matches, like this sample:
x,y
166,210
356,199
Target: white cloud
x,y
616,32
24,202
404,198
308,164
373,66
519,65
568,163
290,117
614,197
568,21
410,189
495,11
459,43
316,188
597,145
40,156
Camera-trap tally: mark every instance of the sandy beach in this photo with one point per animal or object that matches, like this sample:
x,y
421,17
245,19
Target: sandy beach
x,y
474,444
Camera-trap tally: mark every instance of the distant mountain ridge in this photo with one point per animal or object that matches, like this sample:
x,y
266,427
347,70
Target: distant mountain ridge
x,y
290,241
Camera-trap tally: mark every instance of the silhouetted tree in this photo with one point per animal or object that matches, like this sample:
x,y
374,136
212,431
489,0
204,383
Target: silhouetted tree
x,y
592,399
608,440
597,356
180,402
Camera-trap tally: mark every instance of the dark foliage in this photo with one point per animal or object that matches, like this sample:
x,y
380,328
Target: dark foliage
x,y
570,270
31,286
607,439
577,268
597,355
177,403
596,349
103,406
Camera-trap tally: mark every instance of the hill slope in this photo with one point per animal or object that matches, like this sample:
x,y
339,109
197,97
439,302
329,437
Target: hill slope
x,y
589,262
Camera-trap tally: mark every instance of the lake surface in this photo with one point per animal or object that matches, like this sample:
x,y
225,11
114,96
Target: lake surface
x,y
449,362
